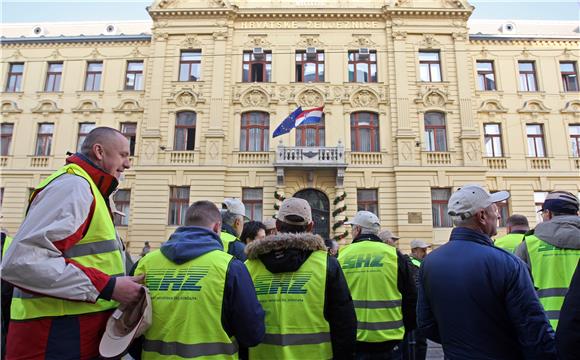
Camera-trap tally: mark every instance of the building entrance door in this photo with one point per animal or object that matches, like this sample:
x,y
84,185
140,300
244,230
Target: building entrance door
x,y
320,210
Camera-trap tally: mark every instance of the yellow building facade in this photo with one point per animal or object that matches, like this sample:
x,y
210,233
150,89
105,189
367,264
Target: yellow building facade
x,y
418,100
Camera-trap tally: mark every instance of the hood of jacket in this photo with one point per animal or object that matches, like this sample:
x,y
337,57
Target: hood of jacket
x,y
562,231
284,252
190,242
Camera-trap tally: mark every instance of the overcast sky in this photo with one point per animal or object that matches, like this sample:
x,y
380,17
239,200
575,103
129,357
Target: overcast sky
x,y
103,10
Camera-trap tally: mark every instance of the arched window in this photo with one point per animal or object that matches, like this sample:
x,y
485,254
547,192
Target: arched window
x,y
185,131
255,131
435,132
364,132
310,134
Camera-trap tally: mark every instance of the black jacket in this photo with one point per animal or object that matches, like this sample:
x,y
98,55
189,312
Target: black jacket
x,y
286,253
568,333
407,288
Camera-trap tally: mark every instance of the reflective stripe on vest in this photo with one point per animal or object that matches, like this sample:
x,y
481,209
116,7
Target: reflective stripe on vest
x,y
294,306
415,262
187,307
227,239
509,242
371,271
552,270
99,248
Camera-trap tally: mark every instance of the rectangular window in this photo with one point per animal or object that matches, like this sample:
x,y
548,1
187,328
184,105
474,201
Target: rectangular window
x,y
435,132
362,67
53,77
503,211
134,75
94,74
492,134
122,200
178,204
439,200
310,134
252,199
539,198
257,67
44,139
6,131
429,66
569,75
14,81
255,131
367,199
364,132
574,139
535,134
485,75
185,131
527,76
190,65
309,66
129,130
84,130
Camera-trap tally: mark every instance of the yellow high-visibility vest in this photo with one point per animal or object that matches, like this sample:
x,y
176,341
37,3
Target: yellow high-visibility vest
x,y
294,307
552,270
371,269
99,248
187,307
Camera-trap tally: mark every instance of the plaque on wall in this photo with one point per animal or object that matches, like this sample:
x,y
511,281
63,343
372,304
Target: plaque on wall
x,y
414,218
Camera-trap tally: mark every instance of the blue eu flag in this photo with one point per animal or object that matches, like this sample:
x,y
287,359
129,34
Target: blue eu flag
x,y
288,124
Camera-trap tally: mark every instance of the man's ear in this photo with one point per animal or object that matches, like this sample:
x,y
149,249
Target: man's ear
x,y
98,151
217,227
309,227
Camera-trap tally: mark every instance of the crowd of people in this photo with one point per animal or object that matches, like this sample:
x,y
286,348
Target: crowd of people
x,y
224,287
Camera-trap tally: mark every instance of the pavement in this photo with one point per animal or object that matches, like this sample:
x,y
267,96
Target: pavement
x,y
434,351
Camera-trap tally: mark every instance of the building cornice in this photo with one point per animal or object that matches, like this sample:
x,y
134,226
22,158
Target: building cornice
x,y
520,40
76,39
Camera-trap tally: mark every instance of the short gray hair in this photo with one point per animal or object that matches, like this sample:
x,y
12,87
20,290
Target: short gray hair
x,y
101,134
373,231
229,218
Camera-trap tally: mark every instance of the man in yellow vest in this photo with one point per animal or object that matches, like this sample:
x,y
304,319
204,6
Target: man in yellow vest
x,y
233,218
517,226
309,311
418,251
382,287
203,300
552,251
66,260
7,290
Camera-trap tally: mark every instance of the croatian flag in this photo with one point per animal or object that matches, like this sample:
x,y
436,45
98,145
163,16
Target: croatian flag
x,y
297,118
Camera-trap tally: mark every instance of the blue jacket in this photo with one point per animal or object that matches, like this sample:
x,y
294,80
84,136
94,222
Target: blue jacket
x,y
242,314
236,248
479,302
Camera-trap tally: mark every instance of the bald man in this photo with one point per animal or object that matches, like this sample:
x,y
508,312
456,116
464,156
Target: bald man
x,y
66,260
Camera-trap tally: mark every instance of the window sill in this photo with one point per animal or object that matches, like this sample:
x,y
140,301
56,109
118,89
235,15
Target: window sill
x,y
533,93
13,92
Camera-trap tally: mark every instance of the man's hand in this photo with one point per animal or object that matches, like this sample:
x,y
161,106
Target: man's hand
x,y
127,288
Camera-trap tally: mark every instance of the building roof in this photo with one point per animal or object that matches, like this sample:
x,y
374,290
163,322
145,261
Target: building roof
x,y
141,30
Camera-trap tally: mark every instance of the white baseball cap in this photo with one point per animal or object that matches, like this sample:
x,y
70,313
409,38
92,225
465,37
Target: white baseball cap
x,y
365,219
128,322
234,206
419,244
298,209
467,200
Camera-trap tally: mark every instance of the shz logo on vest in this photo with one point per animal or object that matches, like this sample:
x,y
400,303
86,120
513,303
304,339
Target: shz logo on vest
x,y
281,283
176,279
363,260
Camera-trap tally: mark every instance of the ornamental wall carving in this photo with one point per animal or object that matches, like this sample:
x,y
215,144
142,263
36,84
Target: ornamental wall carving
x,y
433,97
87,106
310,98
364,98
187,96
534,107
128,106
491,107
240,93
255,98
309,40
190,42
362,40
257,40
572,107
428,41
47,107
10,107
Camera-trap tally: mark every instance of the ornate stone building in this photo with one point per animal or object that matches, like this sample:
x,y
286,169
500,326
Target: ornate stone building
x,y
418,100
